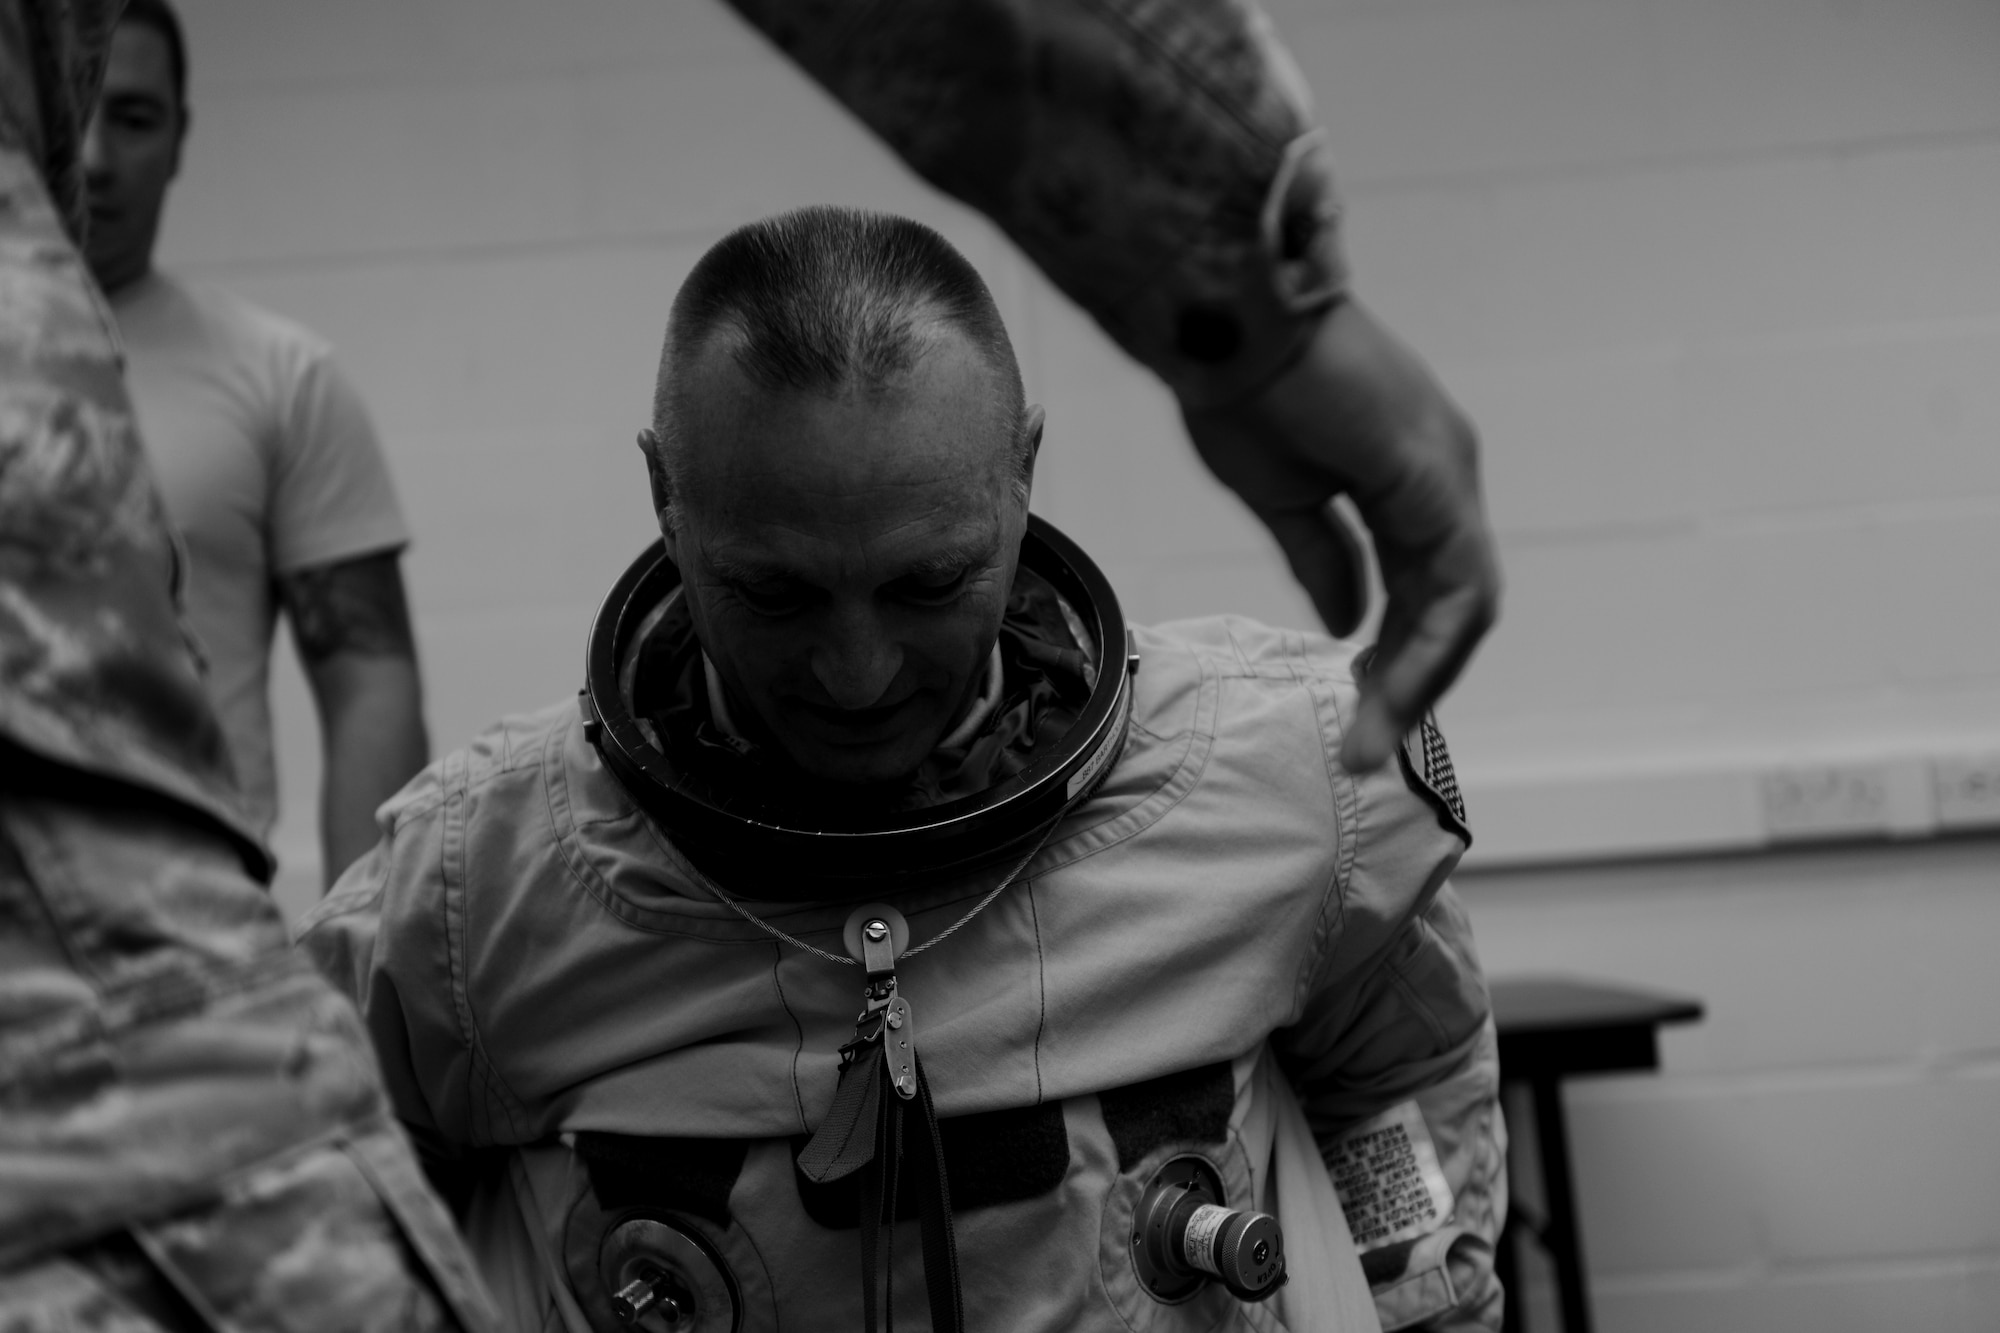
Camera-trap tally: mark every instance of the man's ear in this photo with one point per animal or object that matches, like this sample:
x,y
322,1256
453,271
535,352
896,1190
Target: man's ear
x,y
1031,436
656,475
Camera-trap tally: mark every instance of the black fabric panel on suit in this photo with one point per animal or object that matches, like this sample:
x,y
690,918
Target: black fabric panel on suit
x,y
990,1158
690,1175
1193,1105
456,1178
1387,1263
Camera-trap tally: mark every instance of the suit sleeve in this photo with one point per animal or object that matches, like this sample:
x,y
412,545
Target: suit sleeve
x,y
1157,161
1395,1061
381,937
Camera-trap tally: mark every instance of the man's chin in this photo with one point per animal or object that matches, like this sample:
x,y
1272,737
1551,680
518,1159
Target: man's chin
x,y
868,753
858,770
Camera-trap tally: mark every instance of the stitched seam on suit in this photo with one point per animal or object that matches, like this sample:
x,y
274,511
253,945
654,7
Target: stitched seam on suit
x,y
1041,988
451,855
1346,812
1317,693
568,831
1428,938
798,1030
508,763
475,1093
1159,802
1243,666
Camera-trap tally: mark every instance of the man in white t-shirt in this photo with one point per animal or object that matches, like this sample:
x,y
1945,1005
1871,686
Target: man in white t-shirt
x,y
269,466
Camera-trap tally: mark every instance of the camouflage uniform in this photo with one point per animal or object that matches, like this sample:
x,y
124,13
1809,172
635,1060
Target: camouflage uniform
x,y
1156,158
192,1128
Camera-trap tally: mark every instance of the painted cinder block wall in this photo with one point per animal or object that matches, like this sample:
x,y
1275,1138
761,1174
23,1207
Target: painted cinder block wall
x,y
1720,279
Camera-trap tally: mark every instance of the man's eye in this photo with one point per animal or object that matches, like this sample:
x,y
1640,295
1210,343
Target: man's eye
x,y
934,589
135,117
771,599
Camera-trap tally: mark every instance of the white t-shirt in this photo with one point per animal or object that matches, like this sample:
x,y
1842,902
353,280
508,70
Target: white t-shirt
x,y
268,464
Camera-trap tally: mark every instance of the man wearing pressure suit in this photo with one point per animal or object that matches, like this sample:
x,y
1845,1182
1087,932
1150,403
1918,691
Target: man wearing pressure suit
x,y
1166,1020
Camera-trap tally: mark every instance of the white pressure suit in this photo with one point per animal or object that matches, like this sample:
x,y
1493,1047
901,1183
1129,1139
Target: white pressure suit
x,y
572,1026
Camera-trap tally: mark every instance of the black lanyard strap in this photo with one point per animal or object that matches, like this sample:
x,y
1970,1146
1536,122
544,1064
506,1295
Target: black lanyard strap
x,y
882,1086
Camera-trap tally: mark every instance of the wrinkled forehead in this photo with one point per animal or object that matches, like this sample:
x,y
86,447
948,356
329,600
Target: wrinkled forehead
x,y
941,431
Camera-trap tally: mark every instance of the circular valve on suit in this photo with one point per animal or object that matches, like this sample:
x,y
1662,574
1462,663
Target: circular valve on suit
x,y
1184,1236
665,1280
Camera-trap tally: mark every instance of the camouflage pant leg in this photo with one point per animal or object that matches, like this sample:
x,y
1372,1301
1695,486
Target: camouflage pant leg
x,y
173,1074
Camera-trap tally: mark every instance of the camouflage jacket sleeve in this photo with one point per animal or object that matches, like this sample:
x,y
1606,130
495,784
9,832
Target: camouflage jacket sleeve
x,y
192,1117
96,672
191,1130
1396,1063
1155,157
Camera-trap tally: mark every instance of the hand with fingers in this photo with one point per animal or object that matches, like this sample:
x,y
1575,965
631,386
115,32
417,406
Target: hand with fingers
x,y
1359,413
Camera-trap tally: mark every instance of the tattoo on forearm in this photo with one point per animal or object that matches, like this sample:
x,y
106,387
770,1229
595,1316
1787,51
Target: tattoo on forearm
x,y
354,606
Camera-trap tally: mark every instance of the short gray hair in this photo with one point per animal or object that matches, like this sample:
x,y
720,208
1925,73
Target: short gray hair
x,y
826,298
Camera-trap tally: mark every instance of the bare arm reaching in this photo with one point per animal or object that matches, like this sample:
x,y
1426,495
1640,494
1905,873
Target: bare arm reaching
x,y
351,621
1360,414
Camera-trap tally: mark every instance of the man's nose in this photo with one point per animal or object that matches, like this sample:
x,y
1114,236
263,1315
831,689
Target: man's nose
x,y
96,162
855,660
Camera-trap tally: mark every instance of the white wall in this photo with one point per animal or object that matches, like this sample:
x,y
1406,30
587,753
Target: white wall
x,y
1817,1155
1721,282
1718,278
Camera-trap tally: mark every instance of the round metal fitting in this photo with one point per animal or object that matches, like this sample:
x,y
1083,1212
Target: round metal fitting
x,y
1184,1235
664,1279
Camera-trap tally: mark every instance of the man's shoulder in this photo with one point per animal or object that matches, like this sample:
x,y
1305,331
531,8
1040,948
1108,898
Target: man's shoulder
x,y
511,751
1283,702
1223,706
490,787
1242,646
1175,657
187,310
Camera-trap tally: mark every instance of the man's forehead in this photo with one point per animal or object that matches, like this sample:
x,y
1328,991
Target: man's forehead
x,y
138,62
772,555
895,477
948,403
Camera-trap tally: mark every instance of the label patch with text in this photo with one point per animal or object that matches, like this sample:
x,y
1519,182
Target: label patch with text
x,y
1386,1172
